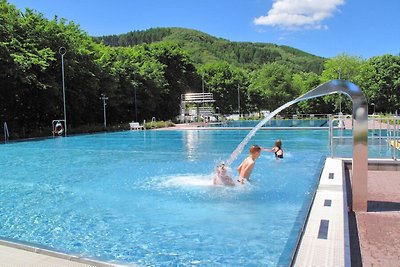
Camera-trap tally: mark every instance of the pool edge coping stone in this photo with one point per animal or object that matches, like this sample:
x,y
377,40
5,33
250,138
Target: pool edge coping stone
x,y
314,254
61,255
335,249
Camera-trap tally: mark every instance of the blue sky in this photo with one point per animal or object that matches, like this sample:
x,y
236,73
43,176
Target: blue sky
x,y
325,28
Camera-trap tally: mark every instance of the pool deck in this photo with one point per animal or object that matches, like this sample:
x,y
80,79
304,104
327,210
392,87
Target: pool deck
x,y
372,124
337,236
15,254
325,240
208,126
379,228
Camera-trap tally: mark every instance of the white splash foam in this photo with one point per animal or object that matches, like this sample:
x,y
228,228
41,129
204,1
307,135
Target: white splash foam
x,y
187,181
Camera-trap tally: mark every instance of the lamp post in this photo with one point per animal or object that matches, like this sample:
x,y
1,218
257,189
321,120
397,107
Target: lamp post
x,y
373,104
238,95
62,52
340,96
104,98
202,87
135,106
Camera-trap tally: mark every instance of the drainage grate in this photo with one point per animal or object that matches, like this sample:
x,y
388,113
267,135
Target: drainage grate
x,y
323,229
327,203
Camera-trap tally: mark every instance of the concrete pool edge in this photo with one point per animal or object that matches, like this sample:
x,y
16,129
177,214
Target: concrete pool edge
x,y
45,256
200,127
326,240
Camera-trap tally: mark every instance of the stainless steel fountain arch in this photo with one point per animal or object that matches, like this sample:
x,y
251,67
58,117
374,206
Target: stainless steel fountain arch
x,y
360,134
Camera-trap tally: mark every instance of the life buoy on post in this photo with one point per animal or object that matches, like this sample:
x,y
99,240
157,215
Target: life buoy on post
x,y
58,128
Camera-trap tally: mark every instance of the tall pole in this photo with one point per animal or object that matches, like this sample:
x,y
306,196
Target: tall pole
x,y
340,96
202,86
104,98
135,106
62,52
238,95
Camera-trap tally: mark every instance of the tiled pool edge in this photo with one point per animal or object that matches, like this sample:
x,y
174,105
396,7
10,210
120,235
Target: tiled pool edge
x,y
336,250
59,255
325,241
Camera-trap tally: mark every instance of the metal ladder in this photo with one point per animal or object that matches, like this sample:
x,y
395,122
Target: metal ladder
x,y
393,137
6,133
384,131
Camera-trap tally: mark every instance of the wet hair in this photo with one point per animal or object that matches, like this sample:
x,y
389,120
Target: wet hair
x,y
254,149
278,143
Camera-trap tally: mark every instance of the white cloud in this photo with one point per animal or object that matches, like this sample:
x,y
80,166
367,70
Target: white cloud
x,y
299,14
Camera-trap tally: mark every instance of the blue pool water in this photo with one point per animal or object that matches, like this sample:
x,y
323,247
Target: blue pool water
x,y
146,197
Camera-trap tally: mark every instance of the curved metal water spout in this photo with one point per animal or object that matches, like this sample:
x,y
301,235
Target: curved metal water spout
x,y
360,135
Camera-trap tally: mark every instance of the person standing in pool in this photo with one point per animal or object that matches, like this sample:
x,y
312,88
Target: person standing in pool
x,y
277,149
247,165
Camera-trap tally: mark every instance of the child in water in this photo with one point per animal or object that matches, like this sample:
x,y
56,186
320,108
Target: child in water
x,y
221,177
247,165
277,149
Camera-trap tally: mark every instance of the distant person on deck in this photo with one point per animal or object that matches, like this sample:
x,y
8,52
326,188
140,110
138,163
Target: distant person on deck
x,y
247,165
277,149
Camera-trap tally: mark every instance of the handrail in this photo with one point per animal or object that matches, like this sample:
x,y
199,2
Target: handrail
x,y
393,136
6,133
197,98
380,128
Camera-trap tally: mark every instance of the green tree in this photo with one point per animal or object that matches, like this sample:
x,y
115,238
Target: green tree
x,y
304,82
380,80
343,67
225,82
271,86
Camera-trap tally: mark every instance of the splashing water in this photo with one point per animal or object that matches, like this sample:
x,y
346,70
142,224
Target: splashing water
x,y
242,144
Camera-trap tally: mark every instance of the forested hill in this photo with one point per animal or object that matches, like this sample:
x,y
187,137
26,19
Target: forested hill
x,y
204,48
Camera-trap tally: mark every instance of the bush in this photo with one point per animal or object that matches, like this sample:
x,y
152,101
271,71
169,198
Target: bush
x,y
158,124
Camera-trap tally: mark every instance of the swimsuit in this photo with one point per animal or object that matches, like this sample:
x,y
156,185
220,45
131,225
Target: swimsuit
x,y
278,156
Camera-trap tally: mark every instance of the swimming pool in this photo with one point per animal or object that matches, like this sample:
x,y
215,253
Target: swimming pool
x,y
146,197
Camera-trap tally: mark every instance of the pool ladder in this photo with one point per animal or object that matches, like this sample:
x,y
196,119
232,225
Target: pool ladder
x,y
377,126
6,133
393,137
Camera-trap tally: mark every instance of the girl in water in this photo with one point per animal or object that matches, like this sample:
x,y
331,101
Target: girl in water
x,y
277,149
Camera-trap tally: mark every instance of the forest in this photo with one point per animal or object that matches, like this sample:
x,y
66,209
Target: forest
x,y
144,73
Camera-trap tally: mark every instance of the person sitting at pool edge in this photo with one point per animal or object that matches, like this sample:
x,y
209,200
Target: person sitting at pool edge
x,y
277,149
246,167
221,177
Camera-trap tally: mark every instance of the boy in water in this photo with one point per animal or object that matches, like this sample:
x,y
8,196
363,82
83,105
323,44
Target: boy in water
x,y
247,165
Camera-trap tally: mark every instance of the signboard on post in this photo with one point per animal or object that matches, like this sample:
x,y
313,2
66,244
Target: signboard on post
x,y
58,127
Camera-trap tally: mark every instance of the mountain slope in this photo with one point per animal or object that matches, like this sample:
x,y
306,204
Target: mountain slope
x,y
204,48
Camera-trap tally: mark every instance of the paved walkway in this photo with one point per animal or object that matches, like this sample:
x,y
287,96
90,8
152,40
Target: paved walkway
x,y
12,254
372,124
379,228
